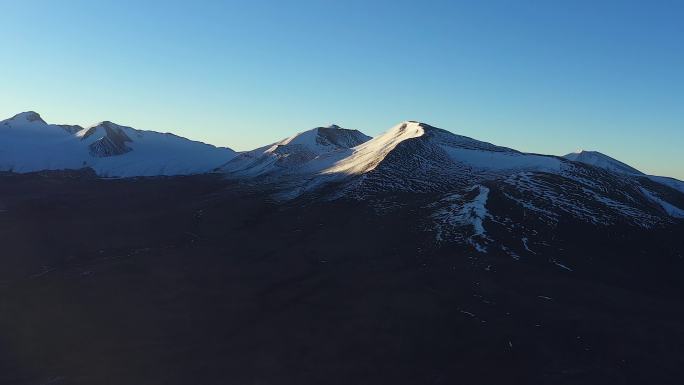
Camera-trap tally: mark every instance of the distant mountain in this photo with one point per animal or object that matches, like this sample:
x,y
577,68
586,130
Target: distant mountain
x,y
296,164
598,159
464,189
28,143
306,152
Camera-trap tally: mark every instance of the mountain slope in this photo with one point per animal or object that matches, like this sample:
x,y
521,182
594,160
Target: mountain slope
x,y
410,157
417,157
28,143
452,180
667,181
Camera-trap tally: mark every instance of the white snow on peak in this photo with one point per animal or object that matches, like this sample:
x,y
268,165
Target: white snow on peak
x,y
604,161
306,138
368,155
332,135
461,150
27,117
306,152
29,144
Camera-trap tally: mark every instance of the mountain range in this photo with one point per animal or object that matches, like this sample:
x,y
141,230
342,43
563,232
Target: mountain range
x,y
452,178
28,143
416,256
411,157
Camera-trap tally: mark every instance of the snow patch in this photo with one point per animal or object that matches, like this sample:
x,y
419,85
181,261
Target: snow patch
x,y
525,245
458,212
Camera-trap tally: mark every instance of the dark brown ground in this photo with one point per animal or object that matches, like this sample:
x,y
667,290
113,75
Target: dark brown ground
x,y
196,280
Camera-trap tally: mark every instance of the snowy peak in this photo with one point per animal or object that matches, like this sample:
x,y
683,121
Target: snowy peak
x,y
411,156
107,139
333,135
341,137
27,117
33,120
368,156
306,152
604,161
103,127
430,149
112,144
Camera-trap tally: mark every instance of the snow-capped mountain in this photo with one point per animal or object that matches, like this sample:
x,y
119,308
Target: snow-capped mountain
x,y
566,268
598,159
464,186
410,157
306,152
604,161
414,139
417,157
481,184
28,143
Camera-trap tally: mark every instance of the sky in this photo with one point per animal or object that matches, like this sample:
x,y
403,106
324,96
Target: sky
x,y
540,76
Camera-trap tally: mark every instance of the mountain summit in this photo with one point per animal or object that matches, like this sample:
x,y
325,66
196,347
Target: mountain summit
x,y
28,116
307,152
422,149
598,159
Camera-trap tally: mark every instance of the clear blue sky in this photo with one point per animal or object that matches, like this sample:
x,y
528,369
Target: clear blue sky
x,y
543,76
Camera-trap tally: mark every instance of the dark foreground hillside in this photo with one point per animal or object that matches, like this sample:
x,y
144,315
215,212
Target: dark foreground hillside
x,y
197,280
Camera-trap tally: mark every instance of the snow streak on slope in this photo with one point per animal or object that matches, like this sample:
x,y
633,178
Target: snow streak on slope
x,y
455,212
28,144
669,208
368,155
604,201
598,159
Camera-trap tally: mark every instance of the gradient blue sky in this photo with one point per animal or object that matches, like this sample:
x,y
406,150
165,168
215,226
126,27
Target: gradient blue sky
x,y
540,76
